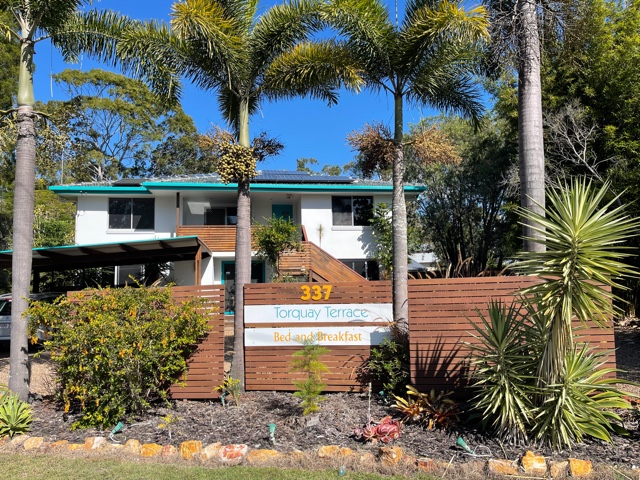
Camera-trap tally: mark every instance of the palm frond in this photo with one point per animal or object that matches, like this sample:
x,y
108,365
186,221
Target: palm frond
x,y
314,69
280,28
370,33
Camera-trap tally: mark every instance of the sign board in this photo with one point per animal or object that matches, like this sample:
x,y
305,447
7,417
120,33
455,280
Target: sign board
x,y
319,313
294,336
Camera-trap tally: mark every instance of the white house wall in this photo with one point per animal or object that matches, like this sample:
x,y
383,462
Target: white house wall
x,y
92,221
340,241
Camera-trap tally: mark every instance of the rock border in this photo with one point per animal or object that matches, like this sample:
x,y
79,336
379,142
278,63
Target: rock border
x,y
528,464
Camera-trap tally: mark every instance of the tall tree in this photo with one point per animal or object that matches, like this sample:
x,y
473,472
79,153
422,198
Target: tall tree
x,y
115,123
72,32
226,46
515,29
427,60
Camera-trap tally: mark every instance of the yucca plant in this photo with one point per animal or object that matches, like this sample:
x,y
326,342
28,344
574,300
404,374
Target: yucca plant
x,y
503,365
583,234
15,415
580,404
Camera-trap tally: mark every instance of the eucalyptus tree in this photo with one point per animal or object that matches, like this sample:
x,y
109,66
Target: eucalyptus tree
x,y
72,32
247,57
428,59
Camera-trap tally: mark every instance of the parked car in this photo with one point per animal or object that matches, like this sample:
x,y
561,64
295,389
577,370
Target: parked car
x,y
5,312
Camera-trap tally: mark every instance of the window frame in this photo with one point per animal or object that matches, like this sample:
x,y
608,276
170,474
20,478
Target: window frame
x,y
353,211
131,212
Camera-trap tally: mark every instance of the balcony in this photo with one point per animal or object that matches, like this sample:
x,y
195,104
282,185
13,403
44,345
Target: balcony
x,y
217,238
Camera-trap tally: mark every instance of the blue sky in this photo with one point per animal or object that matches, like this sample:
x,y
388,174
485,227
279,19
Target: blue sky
x,y
307,128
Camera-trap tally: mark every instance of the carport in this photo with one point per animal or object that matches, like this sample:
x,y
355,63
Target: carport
x,y
73,257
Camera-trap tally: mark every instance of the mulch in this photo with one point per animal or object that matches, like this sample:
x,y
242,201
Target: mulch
x,y
340,415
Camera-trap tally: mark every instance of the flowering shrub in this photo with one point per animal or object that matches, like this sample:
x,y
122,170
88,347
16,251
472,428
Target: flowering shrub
x,y
118,350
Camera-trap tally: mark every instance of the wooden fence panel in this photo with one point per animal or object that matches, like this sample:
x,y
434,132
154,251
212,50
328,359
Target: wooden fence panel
x,y
268,368
206,364
439,329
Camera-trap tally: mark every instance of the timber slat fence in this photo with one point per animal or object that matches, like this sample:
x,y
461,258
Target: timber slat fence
x,y
268,368
206,364
439,330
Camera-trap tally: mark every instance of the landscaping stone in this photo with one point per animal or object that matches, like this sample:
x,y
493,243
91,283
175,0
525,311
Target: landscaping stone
x,y
233,454
93,443
559,469
190,449
533,464
18,440
390,455
329,451
150,450
33,443
367,458
345,452
501,467
169,451
4,440
58,444
259,456
579,468
133,446
297,455
426,465
211,451
74,447
114,447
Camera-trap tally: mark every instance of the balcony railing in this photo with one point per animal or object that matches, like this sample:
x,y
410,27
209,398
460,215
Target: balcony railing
x,y
217,238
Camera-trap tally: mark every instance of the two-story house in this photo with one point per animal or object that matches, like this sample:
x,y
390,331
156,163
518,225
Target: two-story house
x,y
190,221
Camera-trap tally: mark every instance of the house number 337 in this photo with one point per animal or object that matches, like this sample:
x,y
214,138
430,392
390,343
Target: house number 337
x,y
316,292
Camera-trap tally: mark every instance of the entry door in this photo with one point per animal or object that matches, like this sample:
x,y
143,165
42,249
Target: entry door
x,y
229,280
282,211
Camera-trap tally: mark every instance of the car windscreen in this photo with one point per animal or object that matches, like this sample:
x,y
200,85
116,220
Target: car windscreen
x,y
5,307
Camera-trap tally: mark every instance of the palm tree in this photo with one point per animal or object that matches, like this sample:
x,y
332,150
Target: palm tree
x,y
428,60
226,47
72,32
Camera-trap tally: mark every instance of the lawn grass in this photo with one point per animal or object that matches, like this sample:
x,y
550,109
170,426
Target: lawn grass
x,y
49,467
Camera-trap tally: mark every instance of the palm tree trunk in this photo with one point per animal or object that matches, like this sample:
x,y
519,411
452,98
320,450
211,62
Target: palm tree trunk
x,y
399,274
243,252
23,207
530,138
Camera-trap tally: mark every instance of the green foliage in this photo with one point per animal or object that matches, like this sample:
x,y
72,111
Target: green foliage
x,y
307,361
433,409
114,124
466,211
276,236
389,364
230,386
503,365
118,350
583,236
15,415
381,228
532,380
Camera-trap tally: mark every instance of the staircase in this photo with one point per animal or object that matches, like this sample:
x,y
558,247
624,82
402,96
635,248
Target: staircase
x,y
317,264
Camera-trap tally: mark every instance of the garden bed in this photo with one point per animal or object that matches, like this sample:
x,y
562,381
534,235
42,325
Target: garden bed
x,y
209,422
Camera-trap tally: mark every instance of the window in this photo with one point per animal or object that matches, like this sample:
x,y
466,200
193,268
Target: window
x,y
221,216
352,211
131,213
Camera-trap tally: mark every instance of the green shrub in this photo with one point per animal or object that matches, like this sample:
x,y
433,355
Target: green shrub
x,y
15,415
389,364
276,236
118,350
307,361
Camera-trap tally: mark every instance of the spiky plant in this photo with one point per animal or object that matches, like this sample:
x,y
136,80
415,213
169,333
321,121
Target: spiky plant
x,y
583,233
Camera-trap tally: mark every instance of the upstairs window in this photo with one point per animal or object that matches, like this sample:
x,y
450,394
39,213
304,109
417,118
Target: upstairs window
x,y
352,211
221,216
131,214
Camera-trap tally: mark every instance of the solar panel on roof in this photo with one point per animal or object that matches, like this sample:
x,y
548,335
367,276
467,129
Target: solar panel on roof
x,y
285,176
129,182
